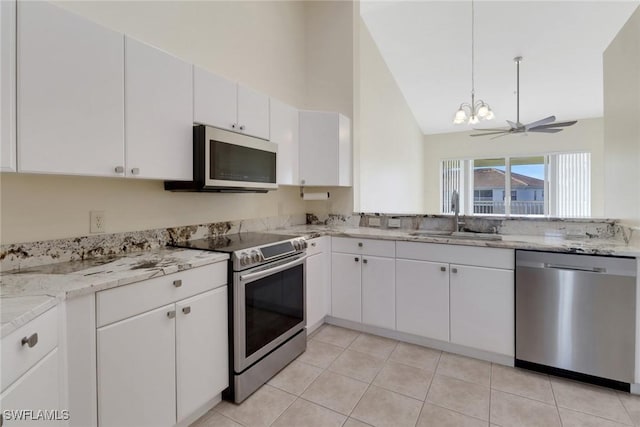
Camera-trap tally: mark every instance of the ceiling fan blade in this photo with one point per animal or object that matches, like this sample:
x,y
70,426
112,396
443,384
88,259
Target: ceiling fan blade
x,y
555,125
500,136
540,122
513,125
545,130
490,133
492,129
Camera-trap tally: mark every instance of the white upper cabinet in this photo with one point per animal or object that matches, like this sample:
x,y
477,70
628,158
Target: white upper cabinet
x,y
70,93
8,86
253,112
158,113
228,105
325,149
284,132
215,100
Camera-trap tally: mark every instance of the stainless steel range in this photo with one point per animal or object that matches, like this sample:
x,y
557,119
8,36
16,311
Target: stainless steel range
x,y
267,313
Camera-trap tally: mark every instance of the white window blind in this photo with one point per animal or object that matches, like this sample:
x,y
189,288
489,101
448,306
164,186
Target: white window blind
x,y
452,179
572,184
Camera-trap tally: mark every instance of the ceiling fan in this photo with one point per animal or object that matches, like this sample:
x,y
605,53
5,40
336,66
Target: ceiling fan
x,y
545,125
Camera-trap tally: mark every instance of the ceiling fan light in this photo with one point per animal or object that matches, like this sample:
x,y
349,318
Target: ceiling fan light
x,y
483,111
490,115
460,116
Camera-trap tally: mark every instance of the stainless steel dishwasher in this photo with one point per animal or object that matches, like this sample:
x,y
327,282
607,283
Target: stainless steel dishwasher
x,y
576,316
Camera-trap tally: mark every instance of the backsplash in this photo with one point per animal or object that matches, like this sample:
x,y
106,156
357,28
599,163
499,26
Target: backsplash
x,y
569,228
32,254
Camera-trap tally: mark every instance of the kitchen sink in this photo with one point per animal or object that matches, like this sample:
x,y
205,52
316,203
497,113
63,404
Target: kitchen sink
x,y
468,235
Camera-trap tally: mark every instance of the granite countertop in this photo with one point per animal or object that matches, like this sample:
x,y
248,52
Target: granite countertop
x,y
25,294
592,246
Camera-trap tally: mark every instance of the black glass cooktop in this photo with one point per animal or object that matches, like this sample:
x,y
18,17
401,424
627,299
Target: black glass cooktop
x,y
234,242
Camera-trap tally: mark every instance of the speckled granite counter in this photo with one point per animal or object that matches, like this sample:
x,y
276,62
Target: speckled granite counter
x,y
26,293
543,243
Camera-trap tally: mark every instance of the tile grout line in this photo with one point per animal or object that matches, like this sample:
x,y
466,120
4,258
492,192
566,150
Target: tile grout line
x,y
625,407
424,402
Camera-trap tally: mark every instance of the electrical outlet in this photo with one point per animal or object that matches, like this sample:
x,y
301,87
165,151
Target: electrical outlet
x,y
374,222
394,223
97,222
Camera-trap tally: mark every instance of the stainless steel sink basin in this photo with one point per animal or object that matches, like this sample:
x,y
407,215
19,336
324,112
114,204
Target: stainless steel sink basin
x,y
462,235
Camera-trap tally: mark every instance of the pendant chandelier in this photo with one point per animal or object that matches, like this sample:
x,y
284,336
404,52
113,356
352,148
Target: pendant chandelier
x,y
478,110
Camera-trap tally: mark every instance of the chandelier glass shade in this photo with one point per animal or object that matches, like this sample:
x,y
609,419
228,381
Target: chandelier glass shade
x,y
474,111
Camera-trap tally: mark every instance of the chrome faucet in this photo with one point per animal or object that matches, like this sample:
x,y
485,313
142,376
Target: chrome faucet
x,y
455,206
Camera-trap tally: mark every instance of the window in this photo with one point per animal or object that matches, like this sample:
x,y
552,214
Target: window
x,y
484,183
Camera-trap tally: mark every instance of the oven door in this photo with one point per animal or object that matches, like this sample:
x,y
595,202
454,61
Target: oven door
x,y
269,308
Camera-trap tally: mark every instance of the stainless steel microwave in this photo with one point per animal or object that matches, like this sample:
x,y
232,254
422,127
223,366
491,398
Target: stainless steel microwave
x,y
225,161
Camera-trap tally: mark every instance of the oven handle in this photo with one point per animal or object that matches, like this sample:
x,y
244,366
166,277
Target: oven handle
x,y
254,276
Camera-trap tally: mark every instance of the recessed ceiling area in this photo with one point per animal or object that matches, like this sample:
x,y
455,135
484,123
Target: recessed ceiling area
x,y
427,47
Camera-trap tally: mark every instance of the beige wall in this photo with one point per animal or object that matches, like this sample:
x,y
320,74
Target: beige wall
x,y
586,135
262,44
391,143
622,123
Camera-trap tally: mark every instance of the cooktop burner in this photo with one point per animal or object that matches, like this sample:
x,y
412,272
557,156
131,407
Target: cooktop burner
x,y
234,242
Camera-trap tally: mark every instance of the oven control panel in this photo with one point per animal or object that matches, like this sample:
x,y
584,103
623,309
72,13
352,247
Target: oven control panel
x,y
256,256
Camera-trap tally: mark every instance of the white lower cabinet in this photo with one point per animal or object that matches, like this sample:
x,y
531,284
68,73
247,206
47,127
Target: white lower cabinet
x,y
482,308
363,283
422,298
346,291
378,292
136,370
318,278
201,360
164,363
38,389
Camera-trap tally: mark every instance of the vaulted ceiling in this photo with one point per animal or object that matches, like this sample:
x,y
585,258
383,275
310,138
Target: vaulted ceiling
x,y
427,47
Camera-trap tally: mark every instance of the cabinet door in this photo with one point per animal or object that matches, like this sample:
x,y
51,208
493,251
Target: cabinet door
x,y
346,296
201,350
215,100
319,148
284,132
344,151
8,86
158,113
422,298
38,388
317,288
482,308
379,292
70,93
136,370
253,112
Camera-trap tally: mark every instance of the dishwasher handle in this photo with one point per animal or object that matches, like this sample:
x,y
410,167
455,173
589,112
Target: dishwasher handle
x,y
575,268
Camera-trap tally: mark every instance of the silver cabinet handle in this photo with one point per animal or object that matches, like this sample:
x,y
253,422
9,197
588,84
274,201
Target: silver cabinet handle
x,y
186,310
359,244
119,169
364,261
30,341
454,270
177,283
241,127
302,181
233,125
135,171
171,314
356,259
443,268
313,245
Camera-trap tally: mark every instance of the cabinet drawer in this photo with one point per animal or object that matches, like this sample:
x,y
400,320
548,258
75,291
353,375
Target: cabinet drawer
x,y
318,245
457,254
18,358
126,301
385,248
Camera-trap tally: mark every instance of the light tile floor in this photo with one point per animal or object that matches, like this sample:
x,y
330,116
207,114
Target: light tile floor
x,y
347,378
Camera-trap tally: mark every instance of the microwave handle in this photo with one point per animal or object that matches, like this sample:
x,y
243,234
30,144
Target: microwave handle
x,y
260,274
